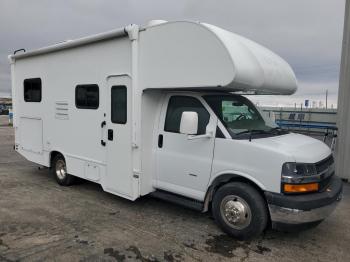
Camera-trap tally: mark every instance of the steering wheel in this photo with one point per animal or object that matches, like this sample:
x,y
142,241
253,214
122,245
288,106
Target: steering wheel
x,y
241,117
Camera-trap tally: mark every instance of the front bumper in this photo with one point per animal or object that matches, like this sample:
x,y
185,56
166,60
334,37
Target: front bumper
x,y
304,209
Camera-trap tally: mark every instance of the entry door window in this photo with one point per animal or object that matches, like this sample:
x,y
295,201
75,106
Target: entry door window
x,y
119,105
179,104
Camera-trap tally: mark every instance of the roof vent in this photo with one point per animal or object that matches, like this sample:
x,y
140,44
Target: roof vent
x,y
155,22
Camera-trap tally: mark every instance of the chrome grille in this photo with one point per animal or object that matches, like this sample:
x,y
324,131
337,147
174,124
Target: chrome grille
x,y
325,169
324,164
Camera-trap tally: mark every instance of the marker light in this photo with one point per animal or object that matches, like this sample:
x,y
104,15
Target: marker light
x,y
301,188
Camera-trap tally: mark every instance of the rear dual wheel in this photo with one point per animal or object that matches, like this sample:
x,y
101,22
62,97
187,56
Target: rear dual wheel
x,y
240,210
59,170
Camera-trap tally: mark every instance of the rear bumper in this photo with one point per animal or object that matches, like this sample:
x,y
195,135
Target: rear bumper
x,y
304,209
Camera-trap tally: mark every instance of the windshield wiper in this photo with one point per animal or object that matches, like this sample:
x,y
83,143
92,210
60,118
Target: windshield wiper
x,y
276,128
251,131
259,131
279,129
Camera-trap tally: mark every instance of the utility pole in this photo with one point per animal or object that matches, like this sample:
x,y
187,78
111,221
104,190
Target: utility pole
x,y
343,115
326,97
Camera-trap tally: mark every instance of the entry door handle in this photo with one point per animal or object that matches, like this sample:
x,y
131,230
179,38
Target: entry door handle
x,y
110,134
103,143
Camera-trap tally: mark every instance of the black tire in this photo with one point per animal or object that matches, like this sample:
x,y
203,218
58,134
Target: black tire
x,y
62,178
229,199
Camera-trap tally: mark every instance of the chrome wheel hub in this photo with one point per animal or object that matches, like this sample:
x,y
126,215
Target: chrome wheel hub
x,y
61,170
236,212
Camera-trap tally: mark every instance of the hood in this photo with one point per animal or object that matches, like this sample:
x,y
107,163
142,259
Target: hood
x,y
303,149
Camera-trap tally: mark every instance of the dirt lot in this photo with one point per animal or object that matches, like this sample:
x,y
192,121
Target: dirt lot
x,y
41,221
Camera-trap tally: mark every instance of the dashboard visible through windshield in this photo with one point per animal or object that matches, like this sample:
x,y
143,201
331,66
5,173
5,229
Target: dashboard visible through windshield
x,y
240,116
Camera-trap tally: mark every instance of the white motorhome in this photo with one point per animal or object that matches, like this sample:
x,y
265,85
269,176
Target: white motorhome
x,y
157,110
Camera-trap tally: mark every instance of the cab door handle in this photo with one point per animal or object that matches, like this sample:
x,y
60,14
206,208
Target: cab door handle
x,y
160,141
110,134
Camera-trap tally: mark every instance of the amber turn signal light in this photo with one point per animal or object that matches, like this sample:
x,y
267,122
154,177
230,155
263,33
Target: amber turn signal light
x,y
292,188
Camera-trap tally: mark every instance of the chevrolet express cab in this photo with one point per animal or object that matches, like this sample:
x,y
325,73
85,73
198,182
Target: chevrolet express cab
x,y
161,110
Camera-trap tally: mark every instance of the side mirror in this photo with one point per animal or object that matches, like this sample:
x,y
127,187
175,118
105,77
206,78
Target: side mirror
x,y
189,123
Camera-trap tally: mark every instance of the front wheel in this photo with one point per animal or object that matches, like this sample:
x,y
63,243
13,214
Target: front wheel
x,y
59,170
240,210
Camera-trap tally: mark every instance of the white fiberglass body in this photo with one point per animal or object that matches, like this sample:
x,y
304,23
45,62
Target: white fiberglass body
x,y
167,56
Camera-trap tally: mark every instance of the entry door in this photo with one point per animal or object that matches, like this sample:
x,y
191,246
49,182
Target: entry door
x,y
119,178
183,164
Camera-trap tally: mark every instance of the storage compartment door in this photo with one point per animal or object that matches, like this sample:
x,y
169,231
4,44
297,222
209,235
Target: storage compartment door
x,y
31,130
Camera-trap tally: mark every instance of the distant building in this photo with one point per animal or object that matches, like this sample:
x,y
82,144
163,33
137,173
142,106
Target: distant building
x,y
5,105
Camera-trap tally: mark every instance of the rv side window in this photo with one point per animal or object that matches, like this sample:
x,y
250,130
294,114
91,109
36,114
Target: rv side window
x,y
32,90
118,104
87,96
179,104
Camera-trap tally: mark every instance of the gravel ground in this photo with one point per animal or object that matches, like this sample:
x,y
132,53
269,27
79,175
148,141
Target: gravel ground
x,y
41,221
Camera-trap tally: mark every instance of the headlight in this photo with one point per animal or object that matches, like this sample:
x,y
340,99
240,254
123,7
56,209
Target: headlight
x,y
299,177
298,170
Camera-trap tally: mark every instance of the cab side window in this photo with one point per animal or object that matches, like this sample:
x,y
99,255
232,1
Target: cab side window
x,y
179,104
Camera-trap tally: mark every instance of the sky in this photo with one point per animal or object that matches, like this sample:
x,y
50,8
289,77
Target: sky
x,y
306,33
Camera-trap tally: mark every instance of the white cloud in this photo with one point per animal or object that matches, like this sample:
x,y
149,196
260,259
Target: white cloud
x,y
311,91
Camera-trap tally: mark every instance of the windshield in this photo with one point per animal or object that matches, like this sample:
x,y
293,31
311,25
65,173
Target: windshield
x,y
239,115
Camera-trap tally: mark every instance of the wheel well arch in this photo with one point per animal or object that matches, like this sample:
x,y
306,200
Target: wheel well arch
x,y
224,179
53,154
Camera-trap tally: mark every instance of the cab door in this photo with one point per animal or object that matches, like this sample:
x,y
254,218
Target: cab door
x,y
119,176
184,164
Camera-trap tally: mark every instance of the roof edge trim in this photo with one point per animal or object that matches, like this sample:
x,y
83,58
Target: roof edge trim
x,y
121,32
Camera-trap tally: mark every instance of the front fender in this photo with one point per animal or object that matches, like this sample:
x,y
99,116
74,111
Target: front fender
x,y
227,175
224,177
